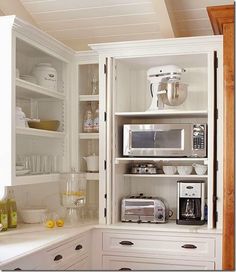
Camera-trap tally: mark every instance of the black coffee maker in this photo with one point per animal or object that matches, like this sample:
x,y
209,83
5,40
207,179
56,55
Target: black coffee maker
x,y
190,202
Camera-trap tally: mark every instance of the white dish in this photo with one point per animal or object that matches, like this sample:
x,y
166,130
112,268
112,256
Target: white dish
x,y
185,170
169,170
200,169
22,172
20,167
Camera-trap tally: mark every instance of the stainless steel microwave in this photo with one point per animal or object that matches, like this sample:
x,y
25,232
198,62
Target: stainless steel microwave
x,y
165,140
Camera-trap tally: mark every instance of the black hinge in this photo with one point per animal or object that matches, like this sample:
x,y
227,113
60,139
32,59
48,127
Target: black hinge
x,y
105,116
217,114
215,59
217,165
216,216
105,212
105,196
105,165
105,69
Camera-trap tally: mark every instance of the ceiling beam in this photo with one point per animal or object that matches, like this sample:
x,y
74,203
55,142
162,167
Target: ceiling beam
x,y
14,7
165,24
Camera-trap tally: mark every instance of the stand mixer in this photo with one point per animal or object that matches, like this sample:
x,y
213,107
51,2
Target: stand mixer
x,y
165,86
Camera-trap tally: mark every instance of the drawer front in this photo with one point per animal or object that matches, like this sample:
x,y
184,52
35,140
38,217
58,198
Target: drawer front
x,y
71,250
125,263
80,265
161,245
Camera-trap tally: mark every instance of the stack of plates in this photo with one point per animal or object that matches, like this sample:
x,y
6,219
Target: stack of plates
x,y
29,78
20,171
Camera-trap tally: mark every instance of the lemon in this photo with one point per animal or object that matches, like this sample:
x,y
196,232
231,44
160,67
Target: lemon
x,y
50,224
60,222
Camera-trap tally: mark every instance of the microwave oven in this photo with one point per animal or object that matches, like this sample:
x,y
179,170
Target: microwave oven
x,y
165,140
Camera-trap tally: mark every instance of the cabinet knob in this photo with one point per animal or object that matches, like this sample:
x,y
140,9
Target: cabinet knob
x,y
126,243
125,269
189,246
78,247
58,257
18,268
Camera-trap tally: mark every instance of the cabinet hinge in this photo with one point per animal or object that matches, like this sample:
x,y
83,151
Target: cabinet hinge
x,y
105,212
216,216
105,196
217,114
215,59
105,165
105,116
105,69
217,165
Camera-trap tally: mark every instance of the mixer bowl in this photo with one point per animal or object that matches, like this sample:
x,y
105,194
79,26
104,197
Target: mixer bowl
x,y
175,94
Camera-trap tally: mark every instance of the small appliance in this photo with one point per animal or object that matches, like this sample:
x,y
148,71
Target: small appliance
x,y
165,86
143,168
190,202
145,209
165,140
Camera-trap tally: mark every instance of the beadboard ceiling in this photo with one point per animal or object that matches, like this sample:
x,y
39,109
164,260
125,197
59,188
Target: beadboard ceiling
x,y
80,22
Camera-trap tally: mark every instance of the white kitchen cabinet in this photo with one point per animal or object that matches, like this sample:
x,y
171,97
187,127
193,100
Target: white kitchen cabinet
x,y
47,153
126,263
126,89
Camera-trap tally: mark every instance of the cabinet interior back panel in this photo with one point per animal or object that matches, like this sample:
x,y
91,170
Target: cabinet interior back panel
x,y
132,91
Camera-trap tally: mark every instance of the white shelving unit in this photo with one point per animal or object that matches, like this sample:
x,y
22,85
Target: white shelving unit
x,y
39,133
88,98
88,136
25,89
145,159
164,176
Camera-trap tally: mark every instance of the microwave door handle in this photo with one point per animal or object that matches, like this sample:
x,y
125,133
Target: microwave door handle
x,y
130,139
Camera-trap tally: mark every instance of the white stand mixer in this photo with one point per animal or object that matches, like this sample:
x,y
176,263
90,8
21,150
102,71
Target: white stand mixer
x,y
165,86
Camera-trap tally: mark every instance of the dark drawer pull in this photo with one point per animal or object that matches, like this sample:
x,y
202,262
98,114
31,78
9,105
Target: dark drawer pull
x,y
125,269
18,268
126,243
58,257
78,247
189,246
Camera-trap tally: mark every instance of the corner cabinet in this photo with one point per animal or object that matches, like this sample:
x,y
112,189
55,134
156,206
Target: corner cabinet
x,y
128,97
30,155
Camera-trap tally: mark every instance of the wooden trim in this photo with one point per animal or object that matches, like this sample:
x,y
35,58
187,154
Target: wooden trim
x,y
220,15
222,20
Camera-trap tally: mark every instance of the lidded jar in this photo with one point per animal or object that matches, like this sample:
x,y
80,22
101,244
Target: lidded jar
x,y
46,75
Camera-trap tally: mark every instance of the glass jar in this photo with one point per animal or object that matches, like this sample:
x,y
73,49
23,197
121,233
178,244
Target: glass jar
x,y
88,119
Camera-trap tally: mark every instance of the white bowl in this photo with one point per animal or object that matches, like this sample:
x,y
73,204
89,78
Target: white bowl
x,y
169,170
200,169
33,215
185,170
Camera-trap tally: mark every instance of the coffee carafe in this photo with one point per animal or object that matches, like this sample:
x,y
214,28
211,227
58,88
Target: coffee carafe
x,y
190,202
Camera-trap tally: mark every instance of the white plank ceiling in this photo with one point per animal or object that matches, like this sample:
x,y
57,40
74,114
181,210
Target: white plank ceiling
x,y
80,22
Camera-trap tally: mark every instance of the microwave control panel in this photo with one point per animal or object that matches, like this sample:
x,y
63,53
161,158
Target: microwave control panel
x,y
199,139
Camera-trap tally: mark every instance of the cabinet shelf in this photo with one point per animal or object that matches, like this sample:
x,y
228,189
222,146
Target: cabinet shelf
x,y
39,132
163,176
89,98
124,160
34,179
88,136
163,113
25,89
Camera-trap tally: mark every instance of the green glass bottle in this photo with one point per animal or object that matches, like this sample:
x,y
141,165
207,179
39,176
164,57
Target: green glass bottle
x,y
3,214
11,209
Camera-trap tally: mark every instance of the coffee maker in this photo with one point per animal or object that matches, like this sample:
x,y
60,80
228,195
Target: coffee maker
x,y
190,202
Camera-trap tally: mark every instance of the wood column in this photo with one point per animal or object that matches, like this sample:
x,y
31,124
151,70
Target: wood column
x,y
222,20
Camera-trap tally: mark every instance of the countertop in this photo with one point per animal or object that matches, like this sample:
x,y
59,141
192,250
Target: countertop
x,y
29,238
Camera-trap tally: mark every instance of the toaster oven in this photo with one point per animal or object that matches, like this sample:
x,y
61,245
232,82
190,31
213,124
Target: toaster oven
x,y
144,210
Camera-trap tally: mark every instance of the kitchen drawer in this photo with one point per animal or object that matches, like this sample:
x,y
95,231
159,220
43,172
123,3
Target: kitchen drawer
x,y
69,251
29,262
132,263
80,265
160,244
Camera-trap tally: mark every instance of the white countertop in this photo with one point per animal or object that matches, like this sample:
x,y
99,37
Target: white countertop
x,y
29,238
